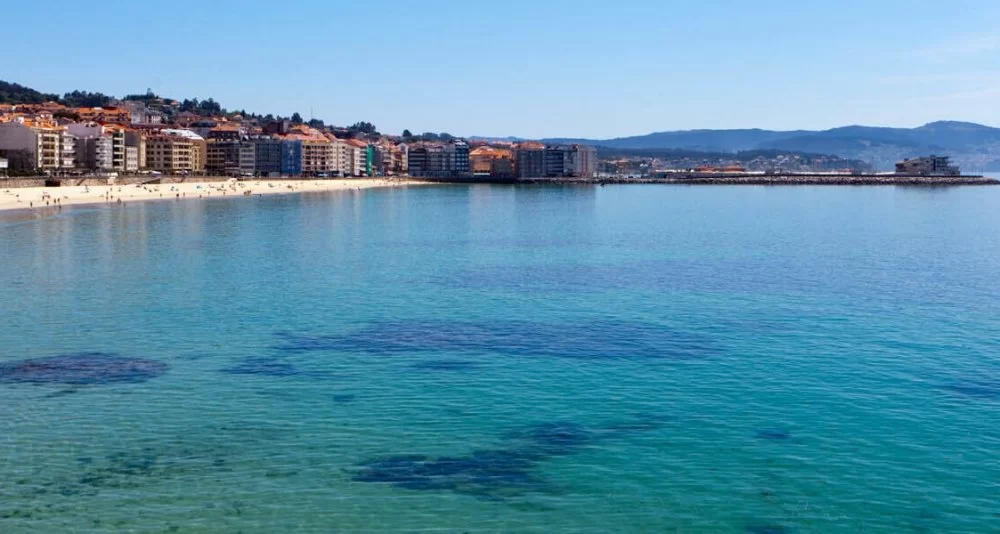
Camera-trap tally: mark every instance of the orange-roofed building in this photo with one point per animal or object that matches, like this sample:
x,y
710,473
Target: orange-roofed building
x,y
320,155
483,160
105,115
229,131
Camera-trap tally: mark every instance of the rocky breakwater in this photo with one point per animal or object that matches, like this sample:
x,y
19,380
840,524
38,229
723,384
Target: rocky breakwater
x,y
835,179
779,179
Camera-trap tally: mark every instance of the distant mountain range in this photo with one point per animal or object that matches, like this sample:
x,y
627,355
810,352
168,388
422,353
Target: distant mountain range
x,y
973,146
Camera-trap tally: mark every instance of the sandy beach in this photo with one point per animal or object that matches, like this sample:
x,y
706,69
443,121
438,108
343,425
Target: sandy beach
x,y
46,198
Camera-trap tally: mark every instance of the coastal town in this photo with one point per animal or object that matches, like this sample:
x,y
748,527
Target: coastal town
x,y
141,138
153,136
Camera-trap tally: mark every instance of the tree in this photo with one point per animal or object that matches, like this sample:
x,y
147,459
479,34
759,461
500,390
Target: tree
x,y
296,118
210,107
407,134
12,93
363,127
316,123
85,99
149,96
445,136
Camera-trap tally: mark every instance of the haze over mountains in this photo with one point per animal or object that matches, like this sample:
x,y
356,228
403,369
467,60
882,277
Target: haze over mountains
x,y
973,146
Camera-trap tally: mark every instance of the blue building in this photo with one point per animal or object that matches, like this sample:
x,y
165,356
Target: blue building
x,y
291,157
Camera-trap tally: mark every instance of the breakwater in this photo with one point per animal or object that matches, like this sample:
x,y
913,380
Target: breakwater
x,y
747,179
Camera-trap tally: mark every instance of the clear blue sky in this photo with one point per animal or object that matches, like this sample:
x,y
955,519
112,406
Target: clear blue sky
x,y
532,68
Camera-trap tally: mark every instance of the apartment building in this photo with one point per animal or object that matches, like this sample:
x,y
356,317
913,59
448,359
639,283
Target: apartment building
x,y
199,149
400,158
355,157
267,155
487,160
584,161
67,149
318,156
529,160
247,157
94,153
230,157
170,153
94,142
131,159
35,145
136,140
117,135
534,160
439,159
291,157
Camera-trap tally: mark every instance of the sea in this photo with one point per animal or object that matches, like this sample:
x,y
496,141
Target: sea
x,y
477,358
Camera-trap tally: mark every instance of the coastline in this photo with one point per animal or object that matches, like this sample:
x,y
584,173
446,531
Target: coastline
x,y
751,179
43,200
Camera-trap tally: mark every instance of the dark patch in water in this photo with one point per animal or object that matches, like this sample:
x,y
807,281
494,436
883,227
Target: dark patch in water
x,y
554,439
489,473
199,454
62,393
774,434
767,529
486,473
344,399
983,390
84,368
445,365
263,367
588,340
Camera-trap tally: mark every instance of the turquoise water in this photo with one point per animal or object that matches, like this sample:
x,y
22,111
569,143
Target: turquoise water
x,y
486,359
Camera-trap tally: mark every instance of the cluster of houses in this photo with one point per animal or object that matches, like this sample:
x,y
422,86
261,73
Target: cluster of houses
x,y
51,139
133,137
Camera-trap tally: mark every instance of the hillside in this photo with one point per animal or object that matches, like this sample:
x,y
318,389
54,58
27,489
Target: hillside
x,y
12,93
974,146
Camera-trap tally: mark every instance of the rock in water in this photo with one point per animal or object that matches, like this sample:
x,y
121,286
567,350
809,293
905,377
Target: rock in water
x,y
83,368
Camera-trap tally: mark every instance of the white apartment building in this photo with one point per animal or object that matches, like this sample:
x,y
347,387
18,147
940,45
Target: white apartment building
x,y
34,146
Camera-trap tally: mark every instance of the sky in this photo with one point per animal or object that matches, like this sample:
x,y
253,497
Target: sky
x,y
530,68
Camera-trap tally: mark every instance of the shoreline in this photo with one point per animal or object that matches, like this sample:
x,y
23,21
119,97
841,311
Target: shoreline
x,y
42,201
749,179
